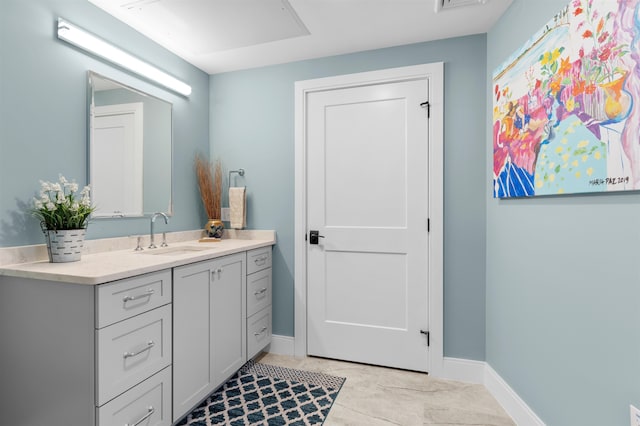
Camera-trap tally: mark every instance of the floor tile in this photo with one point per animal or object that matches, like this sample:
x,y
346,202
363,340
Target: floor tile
x,y
379,396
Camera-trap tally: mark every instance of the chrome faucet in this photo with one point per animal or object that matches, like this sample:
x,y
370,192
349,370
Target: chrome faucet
x,y
153,220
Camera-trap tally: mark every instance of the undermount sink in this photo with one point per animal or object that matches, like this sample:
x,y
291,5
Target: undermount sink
x,y
176,251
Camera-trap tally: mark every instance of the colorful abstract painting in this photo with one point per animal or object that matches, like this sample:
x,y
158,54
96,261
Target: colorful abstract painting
x,y
566,106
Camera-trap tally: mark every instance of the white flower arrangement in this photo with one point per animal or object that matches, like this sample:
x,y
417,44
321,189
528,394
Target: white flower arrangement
x,y
59,208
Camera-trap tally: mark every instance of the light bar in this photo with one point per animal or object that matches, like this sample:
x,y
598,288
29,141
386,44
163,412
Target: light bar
x,y
95,45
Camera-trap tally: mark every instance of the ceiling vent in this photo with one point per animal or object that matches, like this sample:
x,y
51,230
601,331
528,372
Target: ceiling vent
x,y
452,4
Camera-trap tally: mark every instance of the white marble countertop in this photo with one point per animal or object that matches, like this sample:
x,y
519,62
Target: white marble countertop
x,y
110,265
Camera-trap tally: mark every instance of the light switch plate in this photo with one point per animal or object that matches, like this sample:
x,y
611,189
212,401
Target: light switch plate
x,y
635,416
225,214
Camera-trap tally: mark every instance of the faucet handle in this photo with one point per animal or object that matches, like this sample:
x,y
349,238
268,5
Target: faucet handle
x,y
139,247
164,240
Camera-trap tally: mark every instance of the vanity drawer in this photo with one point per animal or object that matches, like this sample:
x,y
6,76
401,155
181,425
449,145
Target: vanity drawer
x,y
130,351
258,259
258,291
148,404
126,298
258,332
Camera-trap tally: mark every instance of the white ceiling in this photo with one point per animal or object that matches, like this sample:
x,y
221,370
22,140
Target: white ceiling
x,y
227,35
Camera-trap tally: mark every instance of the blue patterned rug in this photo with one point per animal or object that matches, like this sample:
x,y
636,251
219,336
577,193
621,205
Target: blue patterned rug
x,y
267,395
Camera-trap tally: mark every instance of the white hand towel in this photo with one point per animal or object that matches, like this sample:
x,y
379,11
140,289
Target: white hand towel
x,y
238,207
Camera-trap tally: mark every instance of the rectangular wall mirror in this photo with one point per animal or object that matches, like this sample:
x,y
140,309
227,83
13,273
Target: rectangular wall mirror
x,y
130,150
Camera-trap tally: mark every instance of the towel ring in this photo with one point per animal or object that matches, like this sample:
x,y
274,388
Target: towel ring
x,y
239,171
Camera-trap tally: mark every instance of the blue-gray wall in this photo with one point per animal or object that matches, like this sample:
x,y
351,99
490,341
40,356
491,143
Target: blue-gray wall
x,y
252,126
43,113
563,282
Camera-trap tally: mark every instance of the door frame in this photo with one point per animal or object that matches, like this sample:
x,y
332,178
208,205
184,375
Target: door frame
x,y
434,73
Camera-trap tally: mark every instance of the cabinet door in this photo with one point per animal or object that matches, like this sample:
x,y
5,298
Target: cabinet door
x,y
229,316
193,377
209,327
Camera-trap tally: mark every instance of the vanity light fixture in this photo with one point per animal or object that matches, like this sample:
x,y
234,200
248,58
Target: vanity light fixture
x,y
78,37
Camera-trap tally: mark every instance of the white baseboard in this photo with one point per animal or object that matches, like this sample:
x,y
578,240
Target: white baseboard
x,y
509,399
463,370
480,372
281,345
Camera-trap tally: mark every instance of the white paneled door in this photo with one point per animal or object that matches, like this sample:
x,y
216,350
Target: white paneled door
x,y
117,158
367,197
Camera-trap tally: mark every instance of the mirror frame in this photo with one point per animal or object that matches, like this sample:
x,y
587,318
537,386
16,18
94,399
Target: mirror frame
x,y
90,105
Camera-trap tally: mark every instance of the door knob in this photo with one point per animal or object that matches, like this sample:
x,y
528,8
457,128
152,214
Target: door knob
x,y
313,237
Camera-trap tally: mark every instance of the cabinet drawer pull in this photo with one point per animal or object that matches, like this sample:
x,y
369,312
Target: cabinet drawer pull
x,y
150,344
259,261
140,296
150,411
262,330
259,292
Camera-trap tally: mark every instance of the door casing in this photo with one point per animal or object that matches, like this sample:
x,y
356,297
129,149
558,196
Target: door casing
x,y
435,76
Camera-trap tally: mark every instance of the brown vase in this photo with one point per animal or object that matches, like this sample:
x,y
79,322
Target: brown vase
x,y
214,228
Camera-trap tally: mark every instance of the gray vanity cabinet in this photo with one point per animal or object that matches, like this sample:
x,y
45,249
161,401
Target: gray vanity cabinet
x,y
89,355
209,327
142,348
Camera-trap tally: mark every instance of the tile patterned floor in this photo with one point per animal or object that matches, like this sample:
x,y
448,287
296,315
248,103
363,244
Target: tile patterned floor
x,y
377,396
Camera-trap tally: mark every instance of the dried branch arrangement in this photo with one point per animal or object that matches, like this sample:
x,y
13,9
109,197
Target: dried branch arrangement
x,y
210,185
217,189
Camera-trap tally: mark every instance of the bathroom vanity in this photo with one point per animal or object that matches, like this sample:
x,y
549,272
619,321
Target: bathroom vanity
x,y
130,338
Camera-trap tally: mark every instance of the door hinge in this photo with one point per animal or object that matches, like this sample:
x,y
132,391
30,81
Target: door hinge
x,y
426,333
427,105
